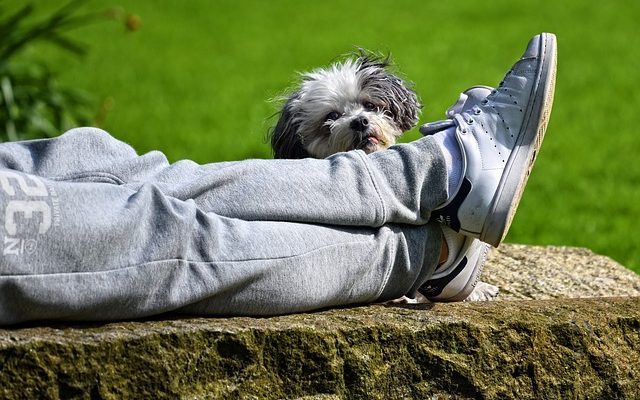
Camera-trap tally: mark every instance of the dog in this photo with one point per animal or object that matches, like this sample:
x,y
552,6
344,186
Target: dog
x,y
355,104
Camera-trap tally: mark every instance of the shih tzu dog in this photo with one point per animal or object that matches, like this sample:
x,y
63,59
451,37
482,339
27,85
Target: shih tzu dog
x,y
354,104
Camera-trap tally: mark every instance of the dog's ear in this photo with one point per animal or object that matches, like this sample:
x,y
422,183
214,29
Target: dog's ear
x,y
285,140
399,97
405,104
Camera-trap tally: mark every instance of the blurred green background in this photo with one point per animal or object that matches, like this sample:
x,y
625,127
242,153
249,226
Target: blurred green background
x,y
196,80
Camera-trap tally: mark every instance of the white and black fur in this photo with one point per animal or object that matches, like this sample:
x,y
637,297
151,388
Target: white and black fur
x,y
354,104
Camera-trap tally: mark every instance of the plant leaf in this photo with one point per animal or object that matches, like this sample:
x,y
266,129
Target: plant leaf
x,y
67,44
11,23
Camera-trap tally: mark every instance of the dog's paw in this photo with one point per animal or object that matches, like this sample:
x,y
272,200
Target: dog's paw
x,y
483,292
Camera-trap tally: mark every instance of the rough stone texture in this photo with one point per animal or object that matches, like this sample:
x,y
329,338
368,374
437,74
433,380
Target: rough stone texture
x,y
537,272
519,349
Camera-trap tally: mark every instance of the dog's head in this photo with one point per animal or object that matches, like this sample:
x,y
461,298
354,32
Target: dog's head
x,y
354,104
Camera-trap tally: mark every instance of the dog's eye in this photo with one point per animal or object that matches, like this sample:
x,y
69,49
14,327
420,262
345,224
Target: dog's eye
x,y
333,115
369,106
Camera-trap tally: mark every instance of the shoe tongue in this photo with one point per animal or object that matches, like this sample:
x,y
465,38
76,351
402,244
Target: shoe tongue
x,y
466,101
469,98
458,106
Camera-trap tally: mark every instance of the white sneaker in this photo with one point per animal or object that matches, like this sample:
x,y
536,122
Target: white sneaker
x,y
499,139
457,281
460,280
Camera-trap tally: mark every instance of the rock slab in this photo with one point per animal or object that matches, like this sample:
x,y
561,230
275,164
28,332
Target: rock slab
x,y
549,272
517,348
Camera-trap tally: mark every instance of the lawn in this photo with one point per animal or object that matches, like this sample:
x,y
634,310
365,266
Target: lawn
x,y
196,81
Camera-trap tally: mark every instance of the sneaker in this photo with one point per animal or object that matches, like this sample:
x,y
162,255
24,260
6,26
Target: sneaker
x,y
459,281
456,281
499,139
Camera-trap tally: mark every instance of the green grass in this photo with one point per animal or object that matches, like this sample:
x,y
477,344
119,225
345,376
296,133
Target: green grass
x,y
196,80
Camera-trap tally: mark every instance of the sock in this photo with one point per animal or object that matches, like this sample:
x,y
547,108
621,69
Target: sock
x,y
454,241
452,157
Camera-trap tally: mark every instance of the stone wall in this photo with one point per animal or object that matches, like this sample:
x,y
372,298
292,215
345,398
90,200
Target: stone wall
x,y
551,335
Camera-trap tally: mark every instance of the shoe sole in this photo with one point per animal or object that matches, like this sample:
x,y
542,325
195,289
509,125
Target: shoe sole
x,y
521,161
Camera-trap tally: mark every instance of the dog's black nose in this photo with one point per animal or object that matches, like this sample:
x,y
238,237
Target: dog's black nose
x,y
359,124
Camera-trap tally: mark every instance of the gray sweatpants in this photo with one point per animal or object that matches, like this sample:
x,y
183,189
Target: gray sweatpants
x,y
92,231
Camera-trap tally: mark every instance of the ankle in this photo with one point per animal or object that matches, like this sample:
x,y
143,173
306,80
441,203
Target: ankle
x,y
452,243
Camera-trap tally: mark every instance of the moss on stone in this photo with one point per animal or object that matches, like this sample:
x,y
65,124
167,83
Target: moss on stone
x,y
570,348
